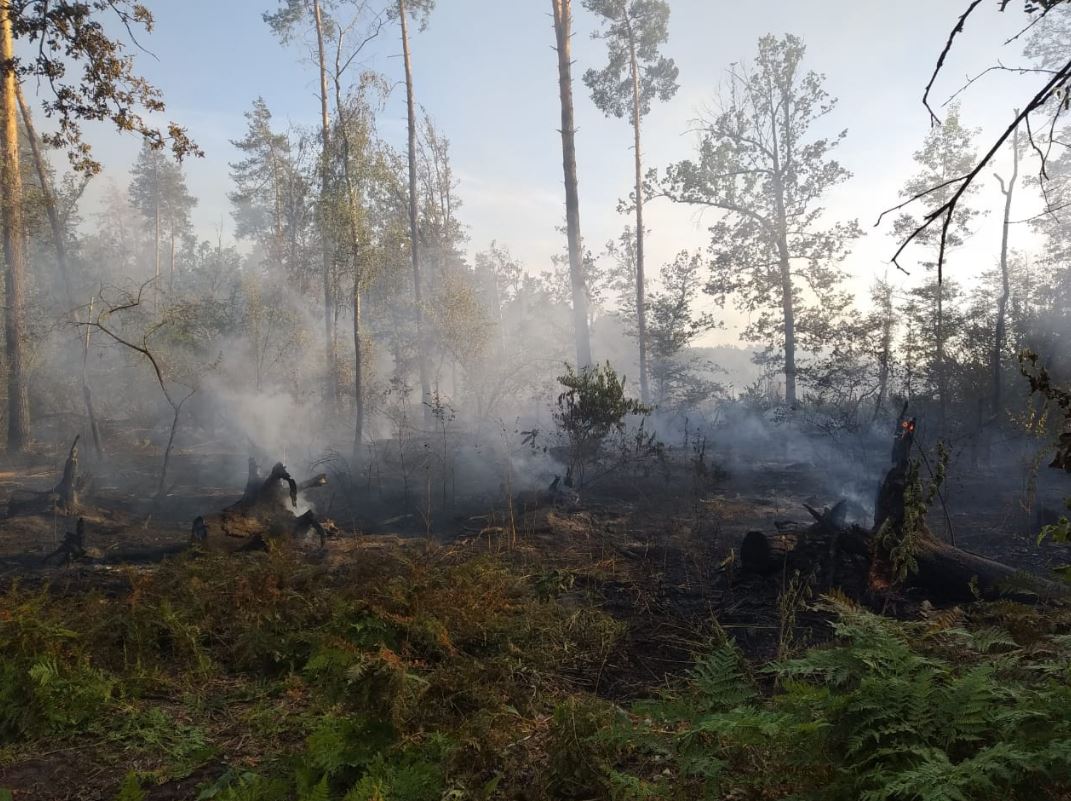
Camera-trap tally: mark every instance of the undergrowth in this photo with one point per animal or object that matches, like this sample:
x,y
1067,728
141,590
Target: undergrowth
x,y
401,678
935,710
424,677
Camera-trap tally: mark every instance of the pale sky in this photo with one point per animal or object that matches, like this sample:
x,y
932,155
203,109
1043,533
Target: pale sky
x,y
487,74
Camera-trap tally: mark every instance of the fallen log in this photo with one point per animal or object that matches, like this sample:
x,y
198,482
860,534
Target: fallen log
x,y
264,512
849,560
945,573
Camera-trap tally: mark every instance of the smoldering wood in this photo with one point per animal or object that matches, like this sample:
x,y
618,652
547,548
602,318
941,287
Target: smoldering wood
x,y
847,558
264,512
851,559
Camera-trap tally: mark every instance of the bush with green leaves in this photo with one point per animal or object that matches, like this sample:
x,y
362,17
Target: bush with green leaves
x,y
593,408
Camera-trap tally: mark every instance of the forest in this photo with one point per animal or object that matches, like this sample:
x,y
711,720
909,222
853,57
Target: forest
x,y
334,500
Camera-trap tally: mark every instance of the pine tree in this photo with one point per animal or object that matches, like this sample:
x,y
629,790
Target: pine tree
x,y
563,32
635,76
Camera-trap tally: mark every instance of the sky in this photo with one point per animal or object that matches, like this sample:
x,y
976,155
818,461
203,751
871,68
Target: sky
x,y
486,72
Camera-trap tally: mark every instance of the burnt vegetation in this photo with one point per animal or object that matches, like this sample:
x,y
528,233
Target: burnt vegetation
x,y
335,504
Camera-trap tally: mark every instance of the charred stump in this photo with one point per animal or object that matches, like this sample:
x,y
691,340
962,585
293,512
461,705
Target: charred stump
x,y
73,548
264,512
64,497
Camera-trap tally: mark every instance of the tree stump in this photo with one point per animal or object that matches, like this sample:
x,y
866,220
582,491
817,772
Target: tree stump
x,y
64,497
264,512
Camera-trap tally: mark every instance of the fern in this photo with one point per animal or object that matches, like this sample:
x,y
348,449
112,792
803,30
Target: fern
x,y
130,790
888,712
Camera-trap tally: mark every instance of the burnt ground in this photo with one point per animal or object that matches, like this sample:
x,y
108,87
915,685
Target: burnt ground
x,y
656,550
667,532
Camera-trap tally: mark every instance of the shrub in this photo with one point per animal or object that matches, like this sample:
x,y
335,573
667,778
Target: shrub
x,y
591,409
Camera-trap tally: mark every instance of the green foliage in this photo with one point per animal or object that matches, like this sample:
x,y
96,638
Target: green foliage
x,y
1060,531
888,711
592,408
130,790
633,31
577,762
46,687
901,544
91,74
1041,383
245,786
395,678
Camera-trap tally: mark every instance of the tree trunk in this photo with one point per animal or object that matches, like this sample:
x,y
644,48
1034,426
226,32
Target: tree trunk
x,y
330,380
563,23
885,358
414,233
161,486
788,309
358,367
87,394
59,239
18,411
1005,288
641,305
942,393
171,276
788,305
355,245
156,235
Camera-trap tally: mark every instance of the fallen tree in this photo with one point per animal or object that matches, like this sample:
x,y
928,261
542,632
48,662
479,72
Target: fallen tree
x,y
898,551
266,511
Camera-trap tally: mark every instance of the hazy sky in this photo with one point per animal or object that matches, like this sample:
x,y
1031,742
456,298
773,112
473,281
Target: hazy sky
x,y
485,71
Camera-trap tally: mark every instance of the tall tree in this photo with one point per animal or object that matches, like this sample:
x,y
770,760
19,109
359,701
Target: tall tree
x,y
946,154
61,38
760,164
635,76
18,402
1000,329
362,163
158,190
270,196
285,21
419,10
883,322
563,33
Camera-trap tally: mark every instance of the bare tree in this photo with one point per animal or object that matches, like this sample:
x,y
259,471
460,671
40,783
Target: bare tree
x,y
175,399
1050,99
